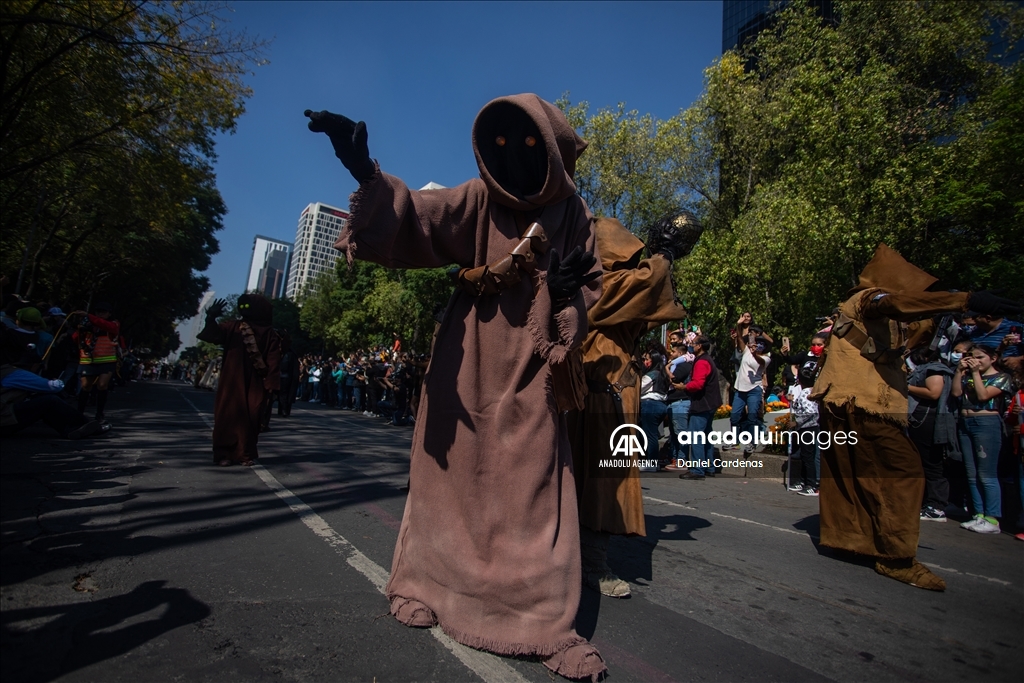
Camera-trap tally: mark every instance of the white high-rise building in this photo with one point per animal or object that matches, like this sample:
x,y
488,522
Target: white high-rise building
x,y
268,268
314,253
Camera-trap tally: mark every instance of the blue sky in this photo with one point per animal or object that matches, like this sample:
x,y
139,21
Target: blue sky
x,y
418,73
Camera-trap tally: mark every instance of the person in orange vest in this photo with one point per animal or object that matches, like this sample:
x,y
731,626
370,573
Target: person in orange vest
x,y
97,337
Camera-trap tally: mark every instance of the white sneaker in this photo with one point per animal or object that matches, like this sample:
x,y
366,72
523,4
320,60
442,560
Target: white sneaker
x,y
969,524
795,487
985,527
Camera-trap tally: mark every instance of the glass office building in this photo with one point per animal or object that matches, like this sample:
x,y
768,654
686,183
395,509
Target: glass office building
x,y
742,20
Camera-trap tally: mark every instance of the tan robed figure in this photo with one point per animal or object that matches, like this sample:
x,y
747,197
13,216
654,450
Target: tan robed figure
x,y
637,296
871,490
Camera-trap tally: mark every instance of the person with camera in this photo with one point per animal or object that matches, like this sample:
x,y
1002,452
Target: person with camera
x,y
985,393
97,336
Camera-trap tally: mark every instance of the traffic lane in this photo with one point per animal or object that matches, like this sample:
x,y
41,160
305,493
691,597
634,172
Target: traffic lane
x,y
783,508
773,589
632,652
958,553
281,603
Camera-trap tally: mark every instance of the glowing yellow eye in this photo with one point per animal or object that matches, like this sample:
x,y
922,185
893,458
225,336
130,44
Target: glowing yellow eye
x,y
500,141
530,141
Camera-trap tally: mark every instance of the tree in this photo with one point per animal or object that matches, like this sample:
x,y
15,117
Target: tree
x,y
631,169
107,121
363,306
897,125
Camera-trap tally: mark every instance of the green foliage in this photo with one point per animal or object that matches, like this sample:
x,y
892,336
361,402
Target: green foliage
x,y
631,168
897,125
200,352
107,122
365,305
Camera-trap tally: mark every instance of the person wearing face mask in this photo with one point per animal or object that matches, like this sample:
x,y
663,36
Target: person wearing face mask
x,y
931,426
705,399
793,362
489,546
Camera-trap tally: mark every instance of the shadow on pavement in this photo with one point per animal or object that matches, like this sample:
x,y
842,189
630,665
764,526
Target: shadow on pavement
x,y
65,503
100,629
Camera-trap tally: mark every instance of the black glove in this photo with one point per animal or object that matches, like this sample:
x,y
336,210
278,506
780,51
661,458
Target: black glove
x,y
216,309
991,303
566,277
349,140
674,237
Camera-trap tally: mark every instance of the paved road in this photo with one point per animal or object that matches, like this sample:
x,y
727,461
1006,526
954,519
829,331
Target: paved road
x,y
134,558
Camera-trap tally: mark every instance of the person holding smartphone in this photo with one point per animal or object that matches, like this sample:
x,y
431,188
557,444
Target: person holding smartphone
x,y
984,392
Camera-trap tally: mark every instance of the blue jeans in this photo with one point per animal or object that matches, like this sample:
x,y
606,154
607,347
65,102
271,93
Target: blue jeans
x,y
981,438
679,417
746,406
652,414
357,398
701,423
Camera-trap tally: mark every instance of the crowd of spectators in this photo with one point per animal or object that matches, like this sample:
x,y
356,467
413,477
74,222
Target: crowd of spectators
x,y
379,382
966,392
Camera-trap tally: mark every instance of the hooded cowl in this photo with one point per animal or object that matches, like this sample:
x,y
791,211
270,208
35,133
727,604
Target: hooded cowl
x,y
889,271
562,144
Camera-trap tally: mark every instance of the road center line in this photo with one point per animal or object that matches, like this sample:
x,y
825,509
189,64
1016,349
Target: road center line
x,y
485,665
801,533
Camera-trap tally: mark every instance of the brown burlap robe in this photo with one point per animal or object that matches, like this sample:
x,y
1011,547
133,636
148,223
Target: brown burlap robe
x,y
489,541
871,492
242,393
637,295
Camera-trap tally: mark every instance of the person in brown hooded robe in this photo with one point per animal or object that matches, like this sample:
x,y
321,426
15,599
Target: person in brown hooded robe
x,y
489,543
637,296
250,372
872,484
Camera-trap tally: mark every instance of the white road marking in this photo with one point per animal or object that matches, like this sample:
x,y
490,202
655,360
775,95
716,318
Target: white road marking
x,y
198,412
801,533
977,576
750,521
485,665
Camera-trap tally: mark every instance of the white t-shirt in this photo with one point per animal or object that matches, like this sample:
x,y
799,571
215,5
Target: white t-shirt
x,y
803,409
750,373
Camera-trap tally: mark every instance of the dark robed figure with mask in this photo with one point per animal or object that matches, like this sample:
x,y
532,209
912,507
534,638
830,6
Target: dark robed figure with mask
x,y
251,371
489,543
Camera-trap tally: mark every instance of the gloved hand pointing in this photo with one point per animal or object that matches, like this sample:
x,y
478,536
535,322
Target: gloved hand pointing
x,y
349,140
991,303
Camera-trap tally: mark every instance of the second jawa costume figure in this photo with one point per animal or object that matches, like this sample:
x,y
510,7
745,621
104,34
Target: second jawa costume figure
x,y
637,296
871,489
489,543
251,371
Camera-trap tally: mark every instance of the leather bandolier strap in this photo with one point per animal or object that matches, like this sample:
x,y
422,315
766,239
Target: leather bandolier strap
x,y
507,271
